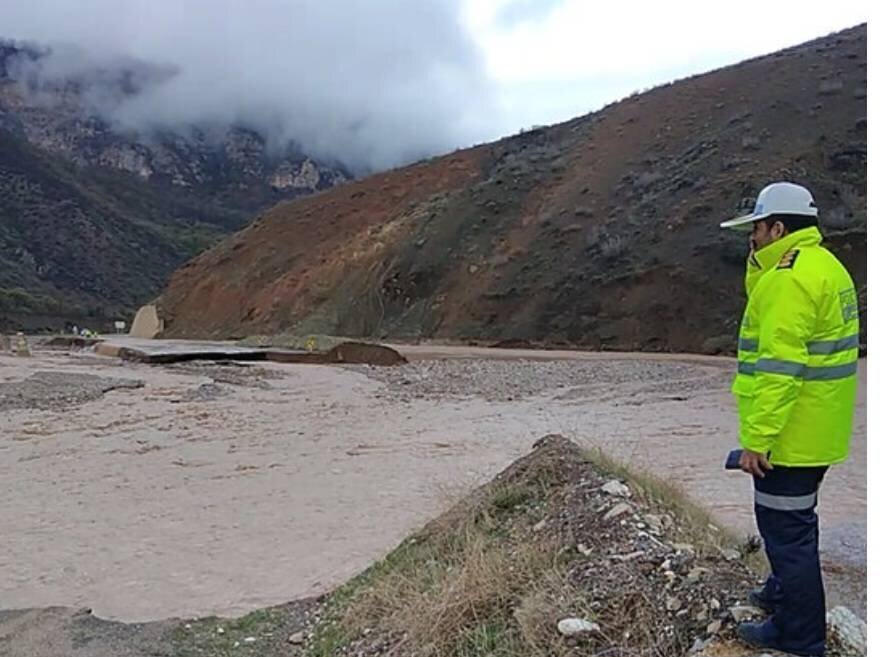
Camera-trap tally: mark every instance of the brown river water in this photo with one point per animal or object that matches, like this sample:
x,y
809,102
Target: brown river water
x,y
194,495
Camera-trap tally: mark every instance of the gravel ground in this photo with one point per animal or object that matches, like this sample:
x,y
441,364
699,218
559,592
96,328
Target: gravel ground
x,y
500,380
58,390
229,372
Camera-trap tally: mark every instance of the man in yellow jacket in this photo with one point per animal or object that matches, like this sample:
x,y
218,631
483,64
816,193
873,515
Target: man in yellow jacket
x,y
796,389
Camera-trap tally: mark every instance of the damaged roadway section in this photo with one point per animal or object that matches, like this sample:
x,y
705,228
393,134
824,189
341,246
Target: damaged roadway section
x,y
347,352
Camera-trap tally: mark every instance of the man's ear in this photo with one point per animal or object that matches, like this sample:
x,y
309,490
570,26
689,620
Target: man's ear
x,y
778,230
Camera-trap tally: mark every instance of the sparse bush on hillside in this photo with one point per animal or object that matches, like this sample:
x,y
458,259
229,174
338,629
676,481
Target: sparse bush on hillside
x,y
19,300
614,246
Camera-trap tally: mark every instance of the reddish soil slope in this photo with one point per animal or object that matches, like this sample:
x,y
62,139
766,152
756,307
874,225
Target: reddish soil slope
x,y
599,232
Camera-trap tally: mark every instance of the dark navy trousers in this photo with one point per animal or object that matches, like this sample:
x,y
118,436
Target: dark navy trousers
x,y
785,510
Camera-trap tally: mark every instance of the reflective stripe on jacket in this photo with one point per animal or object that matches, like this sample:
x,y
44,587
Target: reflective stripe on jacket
x,y
796,382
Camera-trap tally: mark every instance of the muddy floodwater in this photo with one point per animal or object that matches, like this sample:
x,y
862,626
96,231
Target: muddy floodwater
x,y
148,492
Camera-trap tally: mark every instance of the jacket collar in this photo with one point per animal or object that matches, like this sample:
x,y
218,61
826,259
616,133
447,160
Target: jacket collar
x,y
765,259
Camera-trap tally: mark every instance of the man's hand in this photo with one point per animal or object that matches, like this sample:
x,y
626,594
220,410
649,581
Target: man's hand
x,y
754,463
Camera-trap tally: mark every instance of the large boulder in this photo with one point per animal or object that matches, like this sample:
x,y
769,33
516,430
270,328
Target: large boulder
x,y
345,353
365,354
146,324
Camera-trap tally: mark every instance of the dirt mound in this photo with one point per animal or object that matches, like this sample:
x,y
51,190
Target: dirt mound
x,y
554,541
599,232
564,553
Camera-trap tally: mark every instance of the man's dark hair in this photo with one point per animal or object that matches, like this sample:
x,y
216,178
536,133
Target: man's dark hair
x,y
792,222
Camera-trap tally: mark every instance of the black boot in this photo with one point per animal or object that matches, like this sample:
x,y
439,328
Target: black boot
x,y
758,599
765,636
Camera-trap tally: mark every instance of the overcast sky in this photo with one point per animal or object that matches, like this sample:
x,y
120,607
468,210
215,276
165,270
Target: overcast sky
x,y
381,82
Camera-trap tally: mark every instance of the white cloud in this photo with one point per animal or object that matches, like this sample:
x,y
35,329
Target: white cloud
x,y
373,83
574,52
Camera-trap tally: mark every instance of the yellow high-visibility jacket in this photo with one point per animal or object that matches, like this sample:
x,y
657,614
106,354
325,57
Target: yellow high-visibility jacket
x,y
796,381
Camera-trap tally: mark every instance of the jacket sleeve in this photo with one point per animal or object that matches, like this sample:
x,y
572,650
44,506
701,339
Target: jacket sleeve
x,y
788,315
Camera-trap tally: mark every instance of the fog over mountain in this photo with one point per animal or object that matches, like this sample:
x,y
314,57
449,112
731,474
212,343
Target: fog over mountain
x,y
370,84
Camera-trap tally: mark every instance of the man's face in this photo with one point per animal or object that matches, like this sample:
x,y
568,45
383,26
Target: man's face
x,y
761,235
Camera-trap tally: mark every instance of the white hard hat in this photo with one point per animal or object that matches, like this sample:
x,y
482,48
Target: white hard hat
x,y
776,198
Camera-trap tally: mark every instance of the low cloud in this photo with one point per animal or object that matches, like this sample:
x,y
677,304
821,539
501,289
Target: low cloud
x,y
371,83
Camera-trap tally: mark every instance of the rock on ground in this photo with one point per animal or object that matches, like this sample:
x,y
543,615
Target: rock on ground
x,y
847,632
573,626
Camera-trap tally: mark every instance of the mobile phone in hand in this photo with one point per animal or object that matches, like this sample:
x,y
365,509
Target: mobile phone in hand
x,y
733,460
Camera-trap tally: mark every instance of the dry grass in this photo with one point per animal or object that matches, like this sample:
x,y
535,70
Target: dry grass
x,y
480,581
451,593
705,531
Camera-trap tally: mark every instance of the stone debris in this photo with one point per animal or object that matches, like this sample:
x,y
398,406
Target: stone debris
x,y
696,574
618,510
698,646
654,522
847,632
617,488
574,626
742,613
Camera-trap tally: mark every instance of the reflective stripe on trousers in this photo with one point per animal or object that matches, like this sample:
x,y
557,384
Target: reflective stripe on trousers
x,y
785,501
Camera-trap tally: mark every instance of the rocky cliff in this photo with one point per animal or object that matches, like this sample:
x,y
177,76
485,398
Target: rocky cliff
x,y
599,232
174,192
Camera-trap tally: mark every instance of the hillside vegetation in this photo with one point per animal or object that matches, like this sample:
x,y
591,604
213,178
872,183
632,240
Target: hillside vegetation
x,y
600,232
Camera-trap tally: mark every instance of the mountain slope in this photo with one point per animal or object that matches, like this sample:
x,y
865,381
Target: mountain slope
x,y
94,219
81,243
601,231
